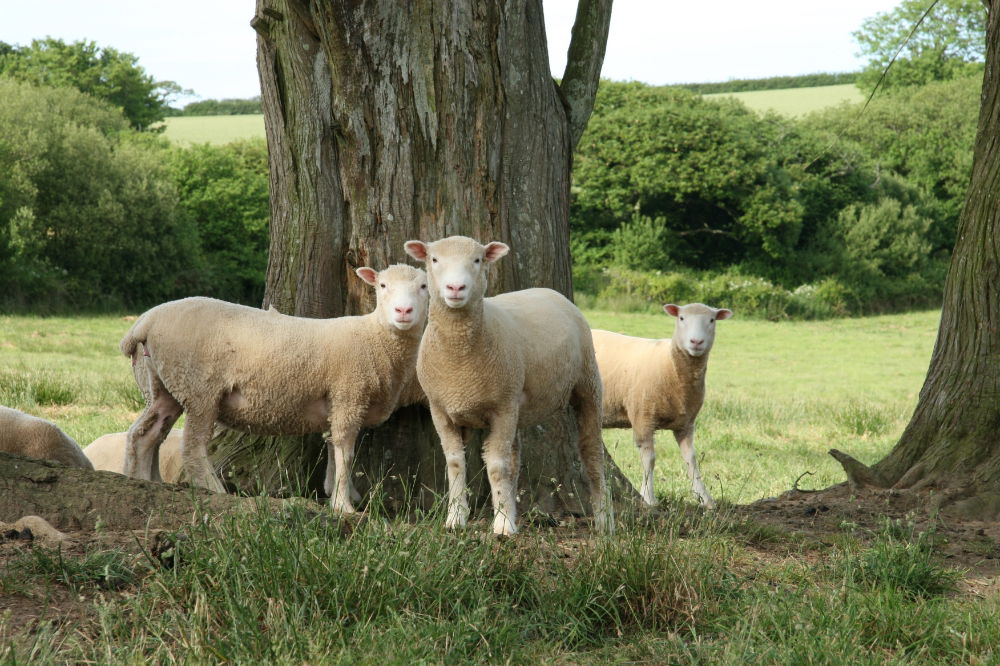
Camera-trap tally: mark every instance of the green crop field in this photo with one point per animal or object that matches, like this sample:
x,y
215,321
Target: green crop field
x,y
186,130
675,585
797,101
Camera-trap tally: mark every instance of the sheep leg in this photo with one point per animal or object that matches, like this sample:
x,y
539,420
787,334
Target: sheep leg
x,y
685,440
194,452
142,443
500,457
454,455
587,405
645,441
339,461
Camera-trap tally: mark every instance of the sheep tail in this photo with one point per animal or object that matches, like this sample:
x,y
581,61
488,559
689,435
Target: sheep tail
x,y
135,336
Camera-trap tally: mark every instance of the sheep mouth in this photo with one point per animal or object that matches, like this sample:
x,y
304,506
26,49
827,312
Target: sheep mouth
x,y
403,324
454,302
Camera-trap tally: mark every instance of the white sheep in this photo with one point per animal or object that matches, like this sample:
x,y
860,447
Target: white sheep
x,y
652,384
499,363
273,374
107,453
30,436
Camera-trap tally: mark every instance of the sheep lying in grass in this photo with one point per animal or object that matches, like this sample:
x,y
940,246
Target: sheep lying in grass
x,y
27,435
651,384
107,452
272,374
500,363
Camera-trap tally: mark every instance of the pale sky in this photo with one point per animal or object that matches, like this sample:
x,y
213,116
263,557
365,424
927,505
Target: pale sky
x,y
209,47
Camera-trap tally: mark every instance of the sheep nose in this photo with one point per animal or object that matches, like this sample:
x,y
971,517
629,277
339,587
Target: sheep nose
x,y
404,310
697,343
457,288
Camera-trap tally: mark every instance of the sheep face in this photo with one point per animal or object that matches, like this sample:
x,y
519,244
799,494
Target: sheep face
x,y
456,267
695,329
401,295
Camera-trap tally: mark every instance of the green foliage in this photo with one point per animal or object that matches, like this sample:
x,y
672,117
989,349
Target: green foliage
x,y
641,243
771,83
224,191
222,107
950,43
107,74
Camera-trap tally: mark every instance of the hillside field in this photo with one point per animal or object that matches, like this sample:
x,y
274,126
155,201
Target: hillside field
x,y
186,130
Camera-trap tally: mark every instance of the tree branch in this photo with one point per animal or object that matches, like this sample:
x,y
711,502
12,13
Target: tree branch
x,y
583,63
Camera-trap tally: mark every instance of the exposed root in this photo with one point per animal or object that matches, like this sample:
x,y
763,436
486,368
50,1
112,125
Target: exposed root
x,y
859,475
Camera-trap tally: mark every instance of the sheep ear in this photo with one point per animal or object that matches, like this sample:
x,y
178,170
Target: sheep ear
x,y
671,309
495,250
369,275
723,313
416,249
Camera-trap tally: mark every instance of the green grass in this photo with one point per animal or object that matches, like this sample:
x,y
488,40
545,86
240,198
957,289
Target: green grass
x,y
187,130
797,101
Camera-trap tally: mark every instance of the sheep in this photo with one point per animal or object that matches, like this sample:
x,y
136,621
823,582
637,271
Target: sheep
x,y
27,435
651,384
107,452
274,374
499,363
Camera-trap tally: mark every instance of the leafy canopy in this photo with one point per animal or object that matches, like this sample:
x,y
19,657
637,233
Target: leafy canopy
x,y
106,73
948,44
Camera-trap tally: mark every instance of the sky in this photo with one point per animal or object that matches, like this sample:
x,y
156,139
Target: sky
x,y
208,46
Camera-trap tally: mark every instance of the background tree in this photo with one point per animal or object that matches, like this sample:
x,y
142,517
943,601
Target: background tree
x,y
951,443
106,73
389,121
947,44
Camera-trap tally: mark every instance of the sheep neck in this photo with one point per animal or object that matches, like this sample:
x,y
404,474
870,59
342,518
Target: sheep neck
x,y
457,326
398,344
690,368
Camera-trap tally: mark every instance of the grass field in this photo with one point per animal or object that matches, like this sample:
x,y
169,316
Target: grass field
x,y
187,130
674,586
797,101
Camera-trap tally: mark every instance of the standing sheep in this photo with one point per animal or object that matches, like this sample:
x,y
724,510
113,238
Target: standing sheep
x,y
27,435
107,453
500,363
272,374
651,384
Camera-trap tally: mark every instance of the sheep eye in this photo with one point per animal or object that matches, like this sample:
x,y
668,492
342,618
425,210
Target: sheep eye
x,y
682,318
434,260
423,286
477,261
712,320
382,285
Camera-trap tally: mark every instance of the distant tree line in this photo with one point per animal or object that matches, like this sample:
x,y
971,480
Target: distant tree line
x,y
219,107
771,83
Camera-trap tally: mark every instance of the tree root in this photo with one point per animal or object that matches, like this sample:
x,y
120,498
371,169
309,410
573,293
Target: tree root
x,y
859,475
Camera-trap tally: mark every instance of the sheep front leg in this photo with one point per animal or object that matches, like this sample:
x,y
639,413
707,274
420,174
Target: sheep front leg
x,y
454,455
339,461
500,457
645,441
685,440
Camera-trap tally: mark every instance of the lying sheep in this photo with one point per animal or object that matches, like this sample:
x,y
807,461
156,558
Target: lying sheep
x,y
27,435
651,384
500,363
107,452
272,374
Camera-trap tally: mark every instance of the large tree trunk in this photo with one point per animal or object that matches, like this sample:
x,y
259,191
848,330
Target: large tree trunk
x,y
952,442
390,121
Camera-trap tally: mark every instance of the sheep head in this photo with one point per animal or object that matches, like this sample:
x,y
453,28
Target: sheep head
x,y
456,267
401,295
695,328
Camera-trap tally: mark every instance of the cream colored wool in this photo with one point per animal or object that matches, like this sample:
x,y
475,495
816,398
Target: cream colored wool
x,y
30,436
501,363
273,374
107,453
659,384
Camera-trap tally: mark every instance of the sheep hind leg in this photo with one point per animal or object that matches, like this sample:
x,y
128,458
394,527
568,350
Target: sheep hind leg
x,y
587,405
340,460
685,440
198,430
645,441
142,443
500,453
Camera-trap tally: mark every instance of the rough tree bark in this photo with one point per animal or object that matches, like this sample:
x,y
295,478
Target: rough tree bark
x,y
390,121
952,443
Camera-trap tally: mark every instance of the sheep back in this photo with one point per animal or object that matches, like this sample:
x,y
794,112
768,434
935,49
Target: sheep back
x,y
27,435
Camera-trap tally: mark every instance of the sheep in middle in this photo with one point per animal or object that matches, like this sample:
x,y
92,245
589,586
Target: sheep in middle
x,y
274,374
499,363
650,384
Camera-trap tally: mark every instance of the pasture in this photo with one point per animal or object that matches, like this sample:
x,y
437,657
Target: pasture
x,y
674,585
797,101
187,130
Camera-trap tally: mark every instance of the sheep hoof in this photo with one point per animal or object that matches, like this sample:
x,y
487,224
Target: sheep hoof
x,y
345,508
504,527
457,519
